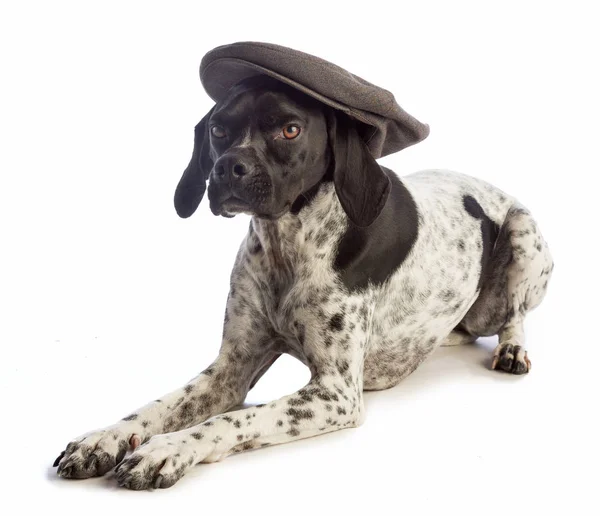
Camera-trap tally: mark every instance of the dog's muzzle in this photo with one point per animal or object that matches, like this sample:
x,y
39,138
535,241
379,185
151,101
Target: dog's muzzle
x,y
238,184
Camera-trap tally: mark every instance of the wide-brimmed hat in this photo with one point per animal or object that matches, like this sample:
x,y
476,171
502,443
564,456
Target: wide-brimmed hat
x,y
393,129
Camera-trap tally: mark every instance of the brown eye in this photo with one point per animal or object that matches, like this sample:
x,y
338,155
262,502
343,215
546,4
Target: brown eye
x,y
290,131
217,131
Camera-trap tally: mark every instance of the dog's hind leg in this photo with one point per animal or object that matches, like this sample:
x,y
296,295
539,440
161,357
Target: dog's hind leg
x,y
514,285
527,280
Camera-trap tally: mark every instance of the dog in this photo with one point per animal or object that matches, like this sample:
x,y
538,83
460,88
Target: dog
x,y
354,271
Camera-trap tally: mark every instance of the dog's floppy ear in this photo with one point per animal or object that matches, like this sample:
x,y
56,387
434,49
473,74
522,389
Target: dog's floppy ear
x,y
192,184
360,183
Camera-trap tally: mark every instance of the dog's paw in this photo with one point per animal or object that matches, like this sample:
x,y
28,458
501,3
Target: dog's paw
x,y
93,454
511,358
159,463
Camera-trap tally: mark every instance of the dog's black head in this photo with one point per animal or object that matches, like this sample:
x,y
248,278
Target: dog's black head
x,y
266,145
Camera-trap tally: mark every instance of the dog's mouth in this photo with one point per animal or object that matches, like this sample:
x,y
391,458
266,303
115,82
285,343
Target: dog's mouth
x,y
229,202
231,206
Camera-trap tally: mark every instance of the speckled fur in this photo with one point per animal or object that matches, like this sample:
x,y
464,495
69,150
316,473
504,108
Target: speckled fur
x,y
285,297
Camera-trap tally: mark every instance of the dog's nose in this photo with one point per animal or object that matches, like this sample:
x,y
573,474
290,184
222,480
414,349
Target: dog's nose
x,y
231,167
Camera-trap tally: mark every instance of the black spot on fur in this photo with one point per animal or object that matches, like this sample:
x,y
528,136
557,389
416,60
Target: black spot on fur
x,y
372,254
294,402
336,323
447,294
327,396
342,366
131,417
489,234
321,238
255,247
298,414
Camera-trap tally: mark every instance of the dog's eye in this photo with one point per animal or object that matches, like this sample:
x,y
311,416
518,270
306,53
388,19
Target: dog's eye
x,y
217,131
290,131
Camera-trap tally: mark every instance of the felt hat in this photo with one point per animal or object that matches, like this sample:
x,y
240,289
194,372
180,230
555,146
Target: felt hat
x,y
389,127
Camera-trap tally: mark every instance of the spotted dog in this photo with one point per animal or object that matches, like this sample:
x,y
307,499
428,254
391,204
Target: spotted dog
x,y
356,272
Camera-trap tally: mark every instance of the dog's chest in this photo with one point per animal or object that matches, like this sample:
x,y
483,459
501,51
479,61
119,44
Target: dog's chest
x,y
291,263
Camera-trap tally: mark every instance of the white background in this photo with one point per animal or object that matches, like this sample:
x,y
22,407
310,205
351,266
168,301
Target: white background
x,y
110,300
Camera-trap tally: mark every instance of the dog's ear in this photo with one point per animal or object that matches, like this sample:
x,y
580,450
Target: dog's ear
x,y
360,183
192,184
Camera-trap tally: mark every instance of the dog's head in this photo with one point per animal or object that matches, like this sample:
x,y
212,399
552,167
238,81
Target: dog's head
x,y
266,145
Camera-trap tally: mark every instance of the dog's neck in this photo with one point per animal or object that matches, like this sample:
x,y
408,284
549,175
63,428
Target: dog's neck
x,y
278,241
283,240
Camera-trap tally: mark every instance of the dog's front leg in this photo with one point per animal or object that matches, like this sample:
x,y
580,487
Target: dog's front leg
x,y
328,402
247,350
218,388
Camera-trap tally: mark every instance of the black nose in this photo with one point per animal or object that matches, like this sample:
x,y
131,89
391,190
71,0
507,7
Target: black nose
x,y
231,167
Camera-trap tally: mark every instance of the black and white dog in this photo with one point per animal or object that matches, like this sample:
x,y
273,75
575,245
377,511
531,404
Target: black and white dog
x,y
355,272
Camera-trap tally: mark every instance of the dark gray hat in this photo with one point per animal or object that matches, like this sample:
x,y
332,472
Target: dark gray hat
x,y
393,128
